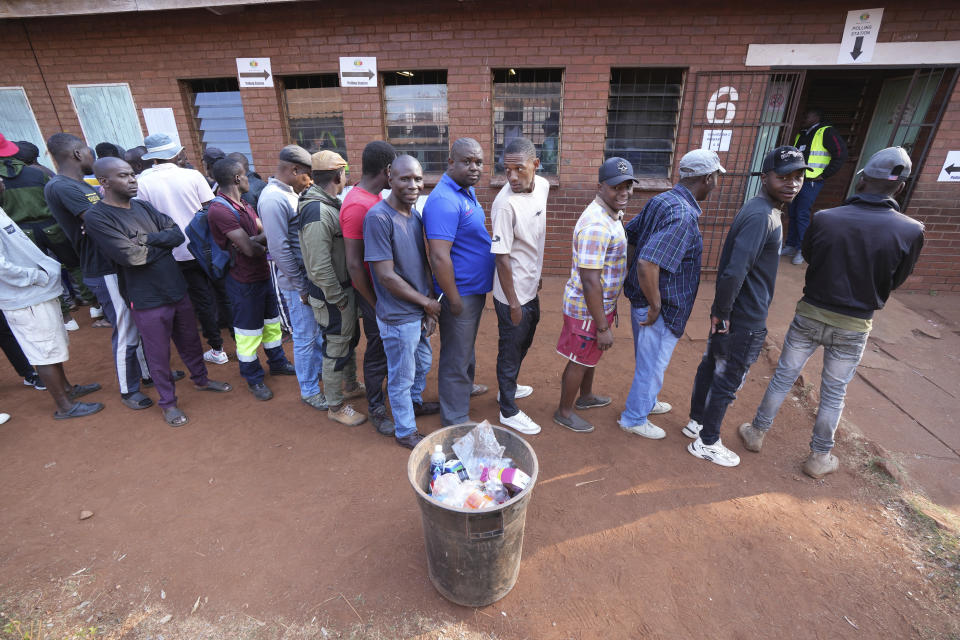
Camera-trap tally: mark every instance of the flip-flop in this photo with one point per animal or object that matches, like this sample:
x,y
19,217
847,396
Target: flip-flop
x,y
215,386
594,402
136,400
573,422
79,410
175,417
80,390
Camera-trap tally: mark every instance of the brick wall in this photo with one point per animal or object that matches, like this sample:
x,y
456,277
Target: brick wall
x,y
155,51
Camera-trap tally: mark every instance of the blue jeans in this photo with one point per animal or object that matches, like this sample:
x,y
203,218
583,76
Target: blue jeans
x,y
307,343
800,210
720,375
652,347
409,357
842,350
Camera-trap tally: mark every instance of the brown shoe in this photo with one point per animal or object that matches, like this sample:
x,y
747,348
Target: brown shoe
x,y
751,436
818,465
346,415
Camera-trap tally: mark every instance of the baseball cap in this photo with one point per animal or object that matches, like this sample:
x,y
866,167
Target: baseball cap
x,y
296,154
327,160
7,148
783,160
616,170
892,163
212,154
700,162
161,146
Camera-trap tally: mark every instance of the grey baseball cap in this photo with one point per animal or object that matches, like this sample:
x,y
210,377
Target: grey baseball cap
x,y
296,154
892,163
700,162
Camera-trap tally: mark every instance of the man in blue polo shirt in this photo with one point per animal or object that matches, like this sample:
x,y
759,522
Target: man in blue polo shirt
x,y
463,269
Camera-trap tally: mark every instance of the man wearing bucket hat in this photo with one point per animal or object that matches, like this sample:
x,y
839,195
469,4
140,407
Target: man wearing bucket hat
x,y
858,253
662,281
745,279
591,293
180,193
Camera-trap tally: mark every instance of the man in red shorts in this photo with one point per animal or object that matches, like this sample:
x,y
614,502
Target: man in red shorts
x,y
590,296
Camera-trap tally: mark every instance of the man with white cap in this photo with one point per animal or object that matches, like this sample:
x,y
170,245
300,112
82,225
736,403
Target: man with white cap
x,y
664,246
857,253
180,193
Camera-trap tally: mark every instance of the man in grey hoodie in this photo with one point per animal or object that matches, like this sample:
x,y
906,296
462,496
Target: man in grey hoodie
x,y
29,289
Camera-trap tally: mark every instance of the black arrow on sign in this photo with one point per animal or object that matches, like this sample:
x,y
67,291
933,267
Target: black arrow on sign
x,y
255,74
952,168
358,74
857,48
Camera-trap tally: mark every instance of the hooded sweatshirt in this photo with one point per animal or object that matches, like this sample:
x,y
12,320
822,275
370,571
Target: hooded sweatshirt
x,y
23,199
28,276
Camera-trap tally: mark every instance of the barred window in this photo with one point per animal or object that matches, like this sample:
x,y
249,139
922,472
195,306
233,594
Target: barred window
x,y
315,112
642,115
527,103
415,106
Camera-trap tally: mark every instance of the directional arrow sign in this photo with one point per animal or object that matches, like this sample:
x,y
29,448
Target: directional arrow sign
x,y
951,168
859,36
358,71
358,74
254,73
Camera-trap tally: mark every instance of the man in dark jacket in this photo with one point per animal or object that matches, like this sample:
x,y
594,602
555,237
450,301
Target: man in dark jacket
x,y
746,277
858,254
825,152
140,240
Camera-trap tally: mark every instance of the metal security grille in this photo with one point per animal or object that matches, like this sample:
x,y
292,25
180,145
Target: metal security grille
x,y
415,106
315,112
527,103
741,115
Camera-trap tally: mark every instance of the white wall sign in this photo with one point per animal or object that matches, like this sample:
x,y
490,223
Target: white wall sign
x,y
358,72
254,73
717,139
859,36
161,121
951,168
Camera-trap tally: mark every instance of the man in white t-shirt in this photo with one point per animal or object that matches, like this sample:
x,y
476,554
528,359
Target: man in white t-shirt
x,y
519,216
180,193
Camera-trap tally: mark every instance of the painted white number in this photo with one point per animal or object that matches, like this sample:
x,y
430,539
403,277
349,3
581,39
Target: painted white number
x,y
728,106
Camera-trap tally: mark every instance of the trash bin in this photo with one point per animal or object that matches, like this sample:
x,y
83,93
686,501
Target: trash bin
x,y
473,557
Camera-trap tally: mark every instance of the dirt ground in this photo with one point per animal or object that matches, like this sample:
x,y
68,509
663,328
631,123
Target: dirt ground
x,y
266,520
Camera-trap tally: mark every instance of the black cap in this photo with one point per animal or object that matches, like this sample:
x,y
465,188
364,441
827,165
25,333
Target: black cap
x,y
212,154
616,170
784,160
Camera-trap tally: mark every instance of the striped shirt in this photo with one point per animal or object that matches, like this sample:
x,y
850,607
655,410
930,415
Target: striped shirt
x,y
665,233
598,243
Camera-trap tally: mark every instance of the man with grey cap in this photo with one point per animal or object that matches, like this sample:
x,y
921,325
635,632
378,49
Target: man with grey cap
x,y
278,209
746,276
664,246
180,193
857,253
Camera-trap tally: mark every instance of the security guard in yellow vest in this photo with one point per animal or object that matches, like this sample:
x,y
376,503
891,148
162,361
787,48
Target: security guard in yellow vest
x,y
825,152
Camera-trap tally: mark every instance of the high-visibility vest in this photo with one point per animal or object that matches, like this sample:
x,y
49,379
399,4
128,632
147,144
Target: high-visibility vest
x,y
819,156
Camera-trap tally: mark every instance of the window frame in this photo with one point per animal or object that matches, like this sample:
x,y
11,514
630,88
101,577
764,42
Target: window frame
x,y
87,133
285,105
497,174
431,174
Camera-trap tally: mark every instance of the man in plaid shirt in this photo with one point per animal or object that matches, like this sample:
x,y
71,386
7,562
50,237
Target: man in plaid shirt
x,y
664,248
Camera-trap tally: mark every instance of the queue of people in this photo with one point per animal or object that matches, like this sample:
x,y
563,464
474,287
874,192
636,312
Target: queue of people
x,y
398,274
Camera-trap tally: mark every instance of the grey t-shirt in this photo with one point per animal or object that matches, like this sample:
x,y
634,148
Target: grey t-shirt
x,y
390,235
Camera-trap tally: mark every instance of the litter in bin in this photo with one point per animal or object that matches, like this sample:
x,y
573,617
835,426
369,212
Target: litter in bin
x,y
493,480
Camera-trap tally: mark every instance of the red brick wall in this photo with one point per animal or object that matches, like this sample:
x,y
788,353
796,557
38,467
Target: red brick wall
x,y
154,51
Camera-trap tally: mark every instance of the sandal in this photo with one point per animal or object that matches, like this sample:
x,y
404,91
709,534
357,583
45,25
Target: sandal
x,y
175,417
136,400
217,387
101,323
80,390
79,410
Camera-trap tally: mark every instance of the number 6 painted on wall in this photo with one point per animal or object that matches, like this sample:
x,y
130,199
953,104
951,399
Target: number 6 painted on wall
x,y
729,108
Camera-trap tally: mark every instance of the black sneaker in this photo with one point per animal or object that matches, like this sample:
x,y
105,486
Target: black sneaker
x,y
426,409
33,380
382,422
260,391
287,369
411,440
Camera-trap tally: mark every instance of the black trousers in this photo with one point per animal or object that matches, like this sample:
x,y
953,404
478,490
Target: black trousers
x,y
374,358
13,351
515,341
209,299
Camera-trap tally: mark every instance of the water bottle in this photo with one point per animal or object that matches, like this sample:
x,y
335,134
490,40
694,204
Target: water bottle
x,y
437,460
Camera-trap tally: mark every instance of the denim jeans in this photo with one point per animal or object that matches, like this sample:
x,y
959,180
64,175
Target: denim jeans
x,y
307,343
800,210
409,357
842,350
515,341
457,363
720,375
652,347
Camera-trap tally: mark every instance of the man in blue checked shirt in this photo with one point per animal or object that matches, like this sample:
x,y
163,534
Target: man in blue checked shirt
x,y
664,246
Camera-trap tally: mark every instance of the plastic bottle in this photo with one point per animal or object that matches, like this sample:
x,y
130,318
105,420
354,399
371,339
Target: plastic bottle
x,y
437,459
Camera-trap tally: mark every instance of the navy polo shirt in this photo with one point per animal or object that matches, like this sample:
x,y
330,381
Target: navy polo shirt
x,y
453,213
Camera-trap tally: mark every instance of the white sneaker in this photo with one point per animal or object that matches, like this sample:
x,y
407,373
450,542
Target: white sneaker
x,y
715,453
797,258
787,250
72,325
96,312
522,392
661,407
520,422
692,430
216,357
4,417
647,430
